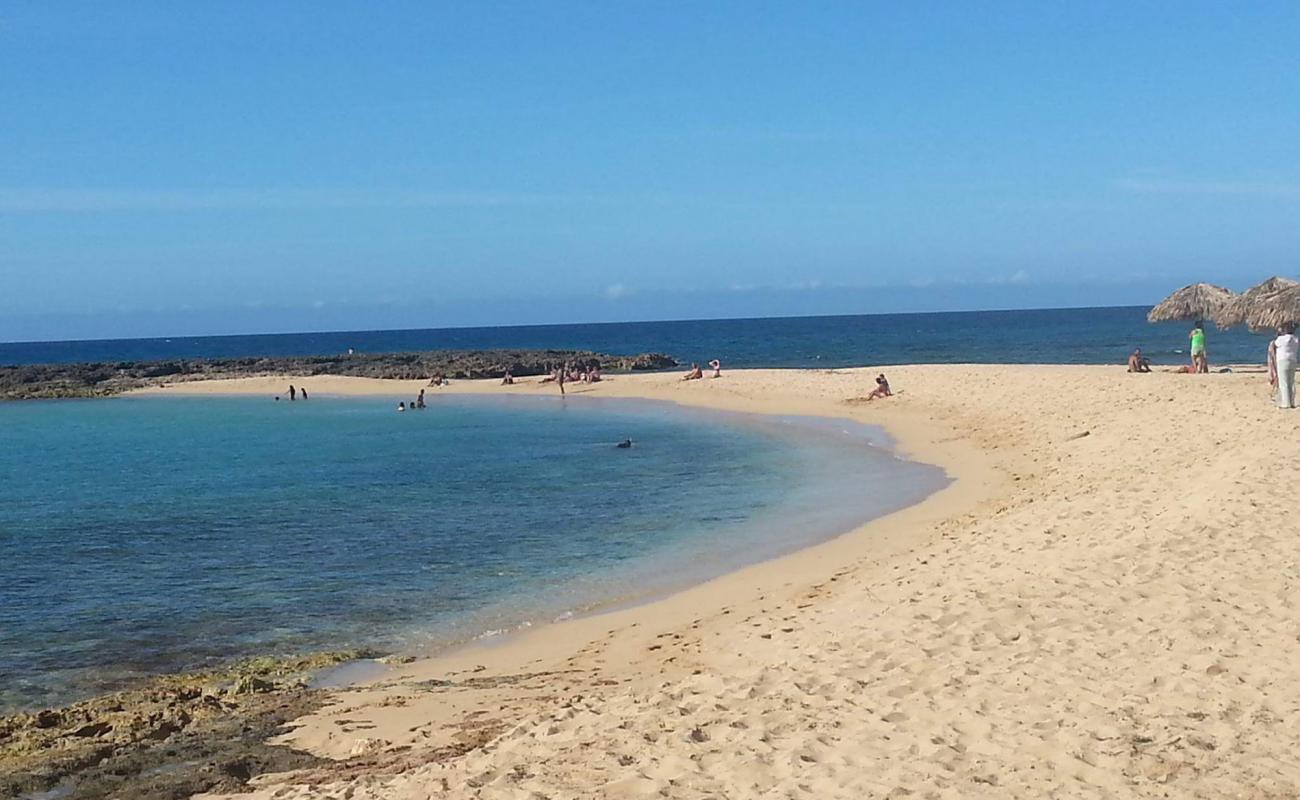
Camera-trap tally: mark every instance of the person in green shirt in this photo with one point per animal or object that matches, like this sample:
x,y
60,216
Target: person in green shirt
x,y
1199,361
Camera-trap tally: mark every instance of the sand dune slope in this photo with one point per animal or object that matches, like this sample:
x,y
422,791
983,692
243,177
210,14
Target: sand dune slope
x,y
1117,620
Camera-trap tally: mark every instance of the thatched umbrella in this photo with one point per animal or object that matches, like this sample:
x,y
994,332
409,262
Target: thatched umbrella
x,y
1275,310
1196,302
1239,309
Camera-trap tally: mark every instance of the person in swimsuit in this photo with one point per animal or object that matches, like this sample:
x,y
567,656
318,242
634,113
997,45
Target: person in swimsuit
x,y
293,393
1199,362
695,374
1138,363
716,365
882,388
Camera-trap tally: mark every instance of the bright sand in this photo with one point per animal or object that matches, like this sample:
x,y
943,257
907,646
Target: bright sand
x,y
1102,605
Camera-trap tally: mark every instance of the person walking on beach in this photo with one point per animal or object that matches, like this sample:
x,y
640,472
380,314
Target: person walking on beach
x,y
1199,361
564,374
1283,353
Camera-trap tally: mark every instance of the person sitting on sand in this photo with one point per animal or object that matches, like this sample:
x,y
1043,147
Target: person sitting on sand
x,y
594,374
695,374
716,366
552,378
1138,363
882,388
508,379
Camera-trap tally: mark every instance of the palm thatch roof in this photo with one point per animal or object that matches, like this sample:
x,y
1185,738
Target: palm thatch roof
x,y
1198,301
1275,310
1240,307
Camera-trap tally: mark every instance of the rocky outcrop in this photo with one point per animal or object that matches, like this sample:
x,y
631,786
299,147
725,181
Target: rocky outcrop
x,y
103,379
172,737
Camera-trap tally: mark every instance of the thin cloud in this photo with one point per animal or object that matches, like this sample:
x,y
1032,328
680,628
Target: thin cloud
x,y
1211,188
56,200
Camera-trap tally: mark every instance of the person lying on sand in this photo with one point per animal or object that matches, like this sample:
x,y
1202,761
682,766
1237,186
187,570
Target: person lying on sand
x,y
1138,363
716,366
1185,370
695,374
882,388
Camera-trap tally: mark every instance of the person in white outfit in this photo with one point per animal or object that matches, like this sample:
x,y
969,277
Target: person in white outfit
x,y
1283,353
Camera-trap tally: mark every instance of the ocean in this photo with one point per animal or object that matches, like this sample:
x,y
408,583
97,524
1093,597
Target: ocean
x,y
146,534
1052,336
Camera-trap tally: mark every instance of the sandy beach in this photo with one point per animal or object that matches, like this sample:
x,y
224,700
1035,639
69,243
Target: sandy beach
x,y
1101,605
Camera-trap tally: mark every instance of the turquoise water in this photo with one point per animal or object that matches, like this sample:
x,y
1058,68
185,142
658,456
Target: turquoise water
x,y
143,535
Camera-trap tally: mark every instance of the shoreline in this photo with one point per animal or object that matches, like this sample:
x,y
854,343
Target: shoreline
x,y
489,652
972,478
1056,621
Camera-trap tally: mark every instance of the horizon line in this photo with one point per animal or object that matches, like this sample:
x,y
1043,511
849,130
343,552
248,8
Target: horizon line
x,y
560,324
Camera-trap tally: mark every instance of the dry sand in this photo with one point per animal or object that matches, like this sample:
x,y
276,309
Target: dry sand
x,y
1102,605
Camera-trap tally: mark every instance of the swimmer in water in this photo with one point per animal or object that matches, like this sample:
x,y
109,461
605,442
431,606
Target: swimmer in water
x,y
624,445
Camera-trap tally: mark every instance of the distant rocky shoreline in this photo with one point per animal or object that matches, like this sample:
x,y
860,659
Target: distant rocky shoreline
x,y
50,381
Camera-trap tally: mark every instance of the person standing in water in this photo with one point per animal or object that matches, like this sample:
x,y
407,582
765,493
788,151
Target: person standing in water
x,y
303,392
293,393
1199,361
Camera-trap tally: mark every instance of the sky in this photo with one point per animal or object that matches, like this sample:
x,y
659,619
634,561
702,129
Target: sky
x,y
187,168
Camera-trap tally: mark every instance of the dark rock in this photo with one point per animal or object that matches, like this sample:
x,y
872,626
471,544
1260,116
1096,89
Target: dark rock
x,y
98,380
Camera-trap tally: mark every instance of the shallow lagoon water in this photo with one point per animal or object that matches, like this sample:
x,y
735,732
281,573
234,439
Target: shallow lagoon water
x,y
144,534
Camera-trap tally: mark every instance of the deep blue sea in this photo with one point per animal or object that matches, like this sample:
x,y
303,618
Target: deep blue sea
x,y
144,534
1055,336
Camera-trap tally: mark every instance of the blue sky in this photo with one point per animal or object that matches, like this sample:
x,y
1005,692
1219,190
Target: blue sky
x,y
214,168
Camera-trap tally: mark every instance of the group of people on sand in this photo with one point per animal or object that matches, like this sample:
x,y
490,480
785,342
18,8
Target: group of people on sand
x,y
568,373
696,373
1283,356
1200,361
